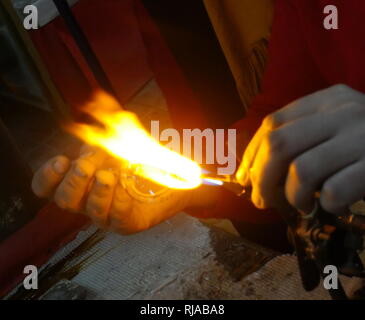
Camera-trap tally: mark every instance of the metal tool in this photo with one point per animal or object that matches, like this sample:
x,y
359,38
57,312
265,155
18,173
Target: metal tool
x,y
84,46
319,238
227,182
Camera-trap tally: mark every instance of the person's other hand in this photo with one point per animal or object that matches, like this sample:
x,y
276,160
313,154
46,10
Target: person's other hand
x,y
91,185
316,143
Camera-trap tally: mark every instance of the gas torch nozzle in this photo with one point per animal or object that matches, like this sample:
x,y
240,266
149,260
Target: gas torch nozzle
x,y
228,182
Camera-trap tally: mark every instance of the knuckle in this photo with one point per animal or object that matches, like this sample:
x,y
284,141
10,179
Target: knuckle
x,y
71,185
340,88
344,91
273,120
254,177
355,108
277,141
83,168
301,170
331,197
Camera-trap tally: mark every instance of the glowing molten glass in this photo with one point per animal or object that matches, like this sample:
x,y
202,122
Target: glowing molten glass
x,y
124,137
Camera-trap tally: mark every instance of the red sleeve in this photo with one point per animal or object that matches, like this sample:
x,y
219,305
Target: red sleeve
x,y
291,73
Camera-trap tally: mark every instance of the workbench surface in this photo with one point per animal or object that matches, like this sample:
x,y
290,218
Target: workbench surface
x,y
179,259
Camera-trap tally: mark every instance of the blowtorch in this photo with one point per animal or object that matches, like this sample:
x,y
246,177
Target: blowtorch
x,y
320,238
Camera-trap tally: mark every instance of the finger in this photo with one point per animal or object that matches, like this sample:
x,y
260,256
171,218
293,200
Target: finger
x,y
93,154
72,190
242,174
328,98
332,97
277,150
257,200
309,171
272,122
112,163
344,188
100,197
121,217
48,177
281,146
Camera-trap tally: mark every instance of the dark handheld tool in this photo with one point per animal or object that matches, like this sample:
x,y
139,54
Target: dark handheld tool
x,y
320,239
84,46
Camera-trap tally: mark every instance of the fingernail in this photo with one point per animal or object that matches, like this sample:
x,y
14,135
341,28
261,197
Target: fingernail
x,y
104,179
60,166
102,183
80,172
87,155
114,172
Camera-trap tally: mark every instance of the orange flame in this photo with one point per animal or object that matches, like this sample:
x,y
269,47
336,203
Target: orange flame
x,y
124,137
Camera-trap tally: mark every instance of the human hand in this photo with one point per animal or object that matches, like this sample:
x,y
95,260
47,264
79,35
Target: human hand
x,y
315,144
91,185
